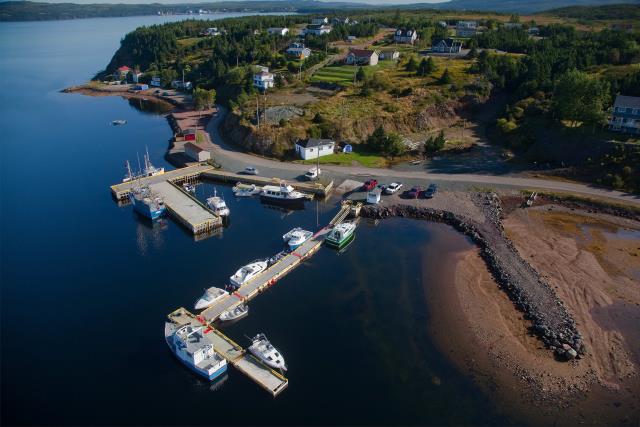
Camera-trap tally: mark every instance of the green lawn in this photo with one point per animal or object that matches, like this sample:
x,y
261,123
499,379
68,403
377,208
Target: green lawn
x,y
343,74
344,159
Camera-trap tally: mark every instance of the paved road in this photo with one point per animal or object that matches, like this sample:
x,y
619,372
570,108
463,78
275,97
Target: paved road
x,y
231,158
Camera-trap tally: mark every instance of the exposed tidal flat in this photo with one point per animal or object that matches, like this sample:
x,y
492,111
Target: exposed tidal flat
x,y
407,326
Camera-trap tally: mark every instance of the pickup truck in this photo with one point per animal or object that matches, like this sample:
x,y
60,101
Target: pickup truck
x,y
369,185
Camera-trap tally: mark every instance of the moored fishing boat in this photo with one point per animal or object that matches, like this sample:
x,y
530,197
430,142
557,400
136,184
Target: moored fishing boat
x,y
245,190
283,194
190,347
247,273
146,203
210,297
296,237
267,353
149,168
341,234
235,313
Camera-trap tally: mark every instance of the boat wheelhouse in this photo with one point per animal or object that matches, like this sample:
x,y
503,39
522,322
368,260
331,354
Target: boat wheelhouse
x,y
341,234
192,349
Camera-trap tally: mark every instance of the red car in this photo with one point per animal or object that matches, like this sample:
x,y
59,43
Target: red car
x,y
370,185
414,193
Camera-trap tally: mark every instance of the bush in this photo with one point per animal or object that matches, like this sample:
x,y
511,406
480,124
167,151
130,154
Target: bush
x,y
434,144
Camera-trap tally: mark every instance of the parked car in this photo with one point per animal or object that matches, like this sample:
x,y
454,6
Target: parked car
x,y
313,173
370,185
250,170
393,188
431,191
414,193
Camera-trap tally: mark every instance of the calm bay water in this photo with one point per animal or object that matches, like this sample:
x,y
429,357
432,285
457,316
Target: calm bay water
x,y
86,285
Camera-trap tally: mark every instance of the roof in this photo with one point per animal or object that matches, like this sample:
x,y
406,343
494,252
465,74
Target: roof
x,y
194,147
361,53
404,32
277,28
265,74
124,68
317,26
313,142
448,42
627,101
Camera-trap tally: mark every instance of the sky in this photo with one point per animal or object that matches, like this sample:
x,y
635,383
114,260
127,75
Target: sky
x,y
376,2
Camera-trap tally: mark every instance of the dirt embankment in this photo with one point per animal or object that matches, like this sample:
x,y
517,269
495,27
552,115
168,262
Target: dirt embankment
x,y
589,259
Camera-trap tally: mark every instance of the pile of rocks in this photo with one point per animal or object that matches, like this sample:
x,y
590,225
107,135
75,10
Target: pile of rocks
x,y
526,288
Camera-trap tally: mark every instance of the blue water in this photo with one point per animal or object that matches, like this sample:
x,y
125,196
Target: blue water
x,y
86,285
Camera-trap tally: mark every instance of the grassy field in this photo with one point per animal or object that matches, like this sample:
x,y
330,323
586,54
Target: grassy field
x,y
344,159
343,74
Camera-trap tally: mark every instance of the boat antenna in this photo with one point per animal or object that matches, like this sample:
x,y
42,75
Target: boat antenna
x,y
139,167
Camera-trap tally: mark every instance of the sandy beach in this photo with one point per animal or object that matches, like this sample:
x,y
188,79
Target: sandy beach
x,y
592,262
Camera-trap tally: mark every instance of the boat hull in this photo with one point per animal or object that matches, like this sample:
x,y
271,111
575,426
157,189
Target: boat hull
x,y
144,210
342,243
282,202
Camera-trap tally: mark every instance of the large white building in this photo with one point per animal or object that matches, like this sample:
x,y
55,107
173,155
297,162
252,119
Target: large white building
x,y
312,148
317,30
263,80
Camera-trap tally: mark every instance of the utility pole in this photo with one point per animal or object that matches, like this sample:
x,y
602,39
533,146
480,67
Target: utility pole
x,y
257,111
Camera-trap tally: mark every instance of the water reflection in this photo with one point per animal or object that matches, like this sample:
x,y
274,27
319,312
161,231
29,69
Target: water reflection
x,y
149,232
149,105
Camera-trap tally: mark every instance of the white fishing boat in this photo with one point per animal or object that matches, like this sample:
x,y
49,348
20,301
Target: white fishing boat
x,y
129,176
235,313
194,351
296,237
149,168
283,194
245,190
247,272
119,122
263,350
210,297
218,205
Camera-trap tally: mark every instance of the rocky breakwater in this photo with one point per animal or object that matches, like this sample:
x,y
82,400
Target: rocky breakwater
x,y
531,294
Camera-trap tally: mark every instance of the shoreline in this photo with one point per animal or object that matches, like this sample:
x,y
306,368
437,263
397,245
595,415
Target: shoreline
x,y
478,328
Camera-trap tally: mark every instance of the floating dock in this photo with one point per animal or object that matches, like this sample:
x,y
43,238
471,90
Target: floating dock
x,y
315,188
266,377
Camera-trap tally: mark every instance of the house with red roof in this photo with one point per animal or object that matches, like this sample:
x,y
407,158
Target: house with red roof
x,y
121,73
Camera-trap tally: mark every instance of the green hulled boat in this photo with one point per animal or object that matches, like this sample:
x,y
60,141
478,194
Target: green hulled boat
x,y
341,235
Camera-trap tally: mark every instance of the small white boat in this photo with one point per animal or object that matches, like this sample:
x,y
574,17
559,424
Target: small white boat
x,y
296,237
189,188
283,194
210,297
247,272
218,205
245,190
263,350
373,196
118,122
235,313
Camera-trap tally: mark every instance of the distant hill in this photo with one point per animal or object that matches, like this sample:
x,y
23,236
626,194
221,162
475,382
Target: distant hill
x,y
38,11
521,6
616,11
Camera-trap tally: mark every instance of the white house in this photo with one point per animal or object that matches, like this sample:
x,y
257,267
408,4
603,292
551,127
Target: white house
x,y
317,30
403,35
263,80
446,46
312,148
278,31
196,152
393,55
362,57
136,76
466,28
213,31
319,21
